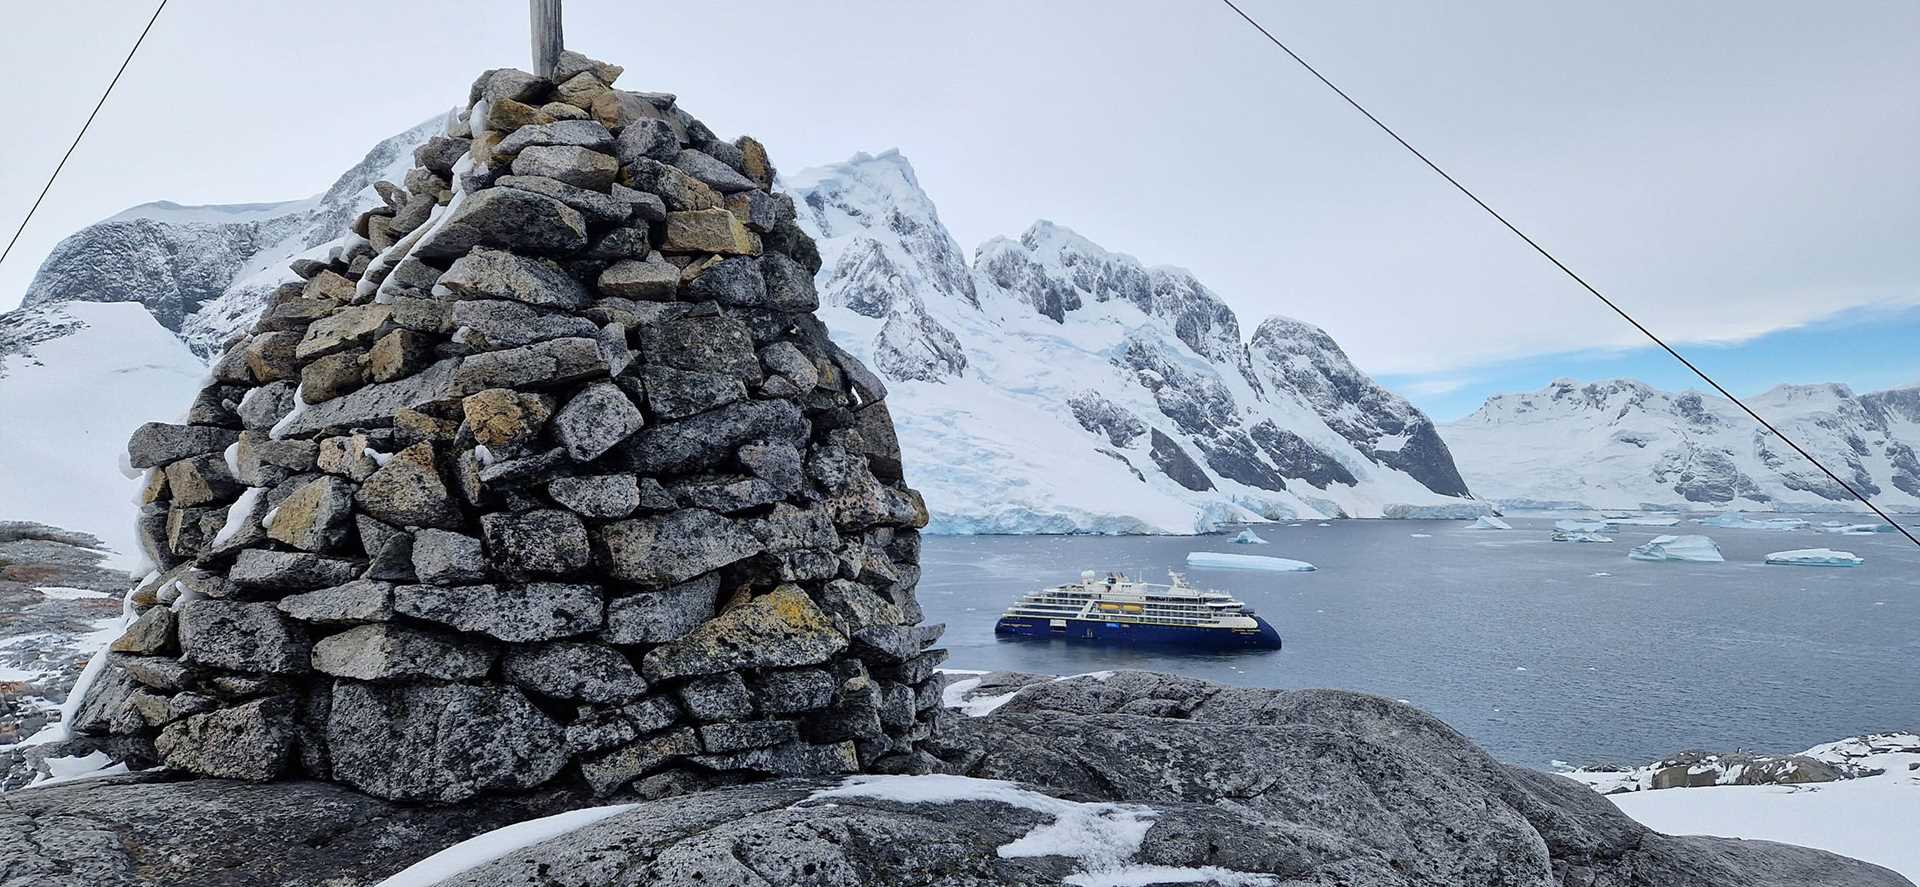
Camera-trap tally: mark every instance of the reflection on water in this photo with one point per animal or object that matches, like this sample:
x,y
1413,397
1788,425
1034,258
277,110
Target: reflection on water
x,y
1540,651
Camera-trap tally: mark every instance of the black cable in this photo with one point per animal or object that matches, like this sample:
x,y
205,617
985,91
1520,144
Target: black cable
x,y
82,134
1569,272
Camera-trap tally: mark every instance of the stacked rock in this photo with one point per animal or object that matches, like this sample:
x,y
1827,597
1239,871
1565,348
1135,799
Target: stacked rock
x,y
550,469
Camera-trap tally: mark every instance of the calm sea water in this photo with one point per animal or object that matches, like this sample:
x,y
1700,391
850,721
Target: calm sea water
x,y
1540,651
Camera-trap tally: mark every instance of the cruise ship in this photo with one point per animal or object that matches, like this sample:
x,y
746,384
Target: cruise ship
x,y
1116,608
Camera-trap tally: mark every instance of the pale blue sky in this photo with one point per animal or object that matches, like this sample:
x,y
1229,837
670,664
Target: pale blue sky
x,y
1869,350
1725,168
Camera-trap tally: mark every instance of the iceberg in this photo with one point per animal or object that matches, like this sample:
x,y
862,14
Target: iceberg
x,y
1213,560
1448,511
1699,549
1579,536
1815,557
1648,520
1855,529
1249,537
1489,522
1734,520
1580,526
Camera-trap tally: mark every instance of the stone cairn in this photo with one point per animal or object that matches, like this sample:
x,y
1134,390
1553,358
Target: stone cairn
x,y
550,465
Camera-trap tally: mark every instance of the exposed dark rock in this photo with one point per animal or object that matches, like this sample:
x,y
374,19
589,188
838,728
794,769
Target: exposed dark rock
x,y
674,548
539,611
498,274
780,629
385,652
439,743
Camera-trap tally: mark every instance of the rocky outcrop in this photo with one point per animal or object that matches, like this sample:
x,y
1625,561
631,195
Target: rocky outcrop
x,y
1134,778
40,628
471,507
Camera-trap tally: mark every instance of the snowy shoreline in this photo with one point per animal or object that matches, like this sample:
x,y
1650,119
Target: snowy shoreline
x,y
1867,812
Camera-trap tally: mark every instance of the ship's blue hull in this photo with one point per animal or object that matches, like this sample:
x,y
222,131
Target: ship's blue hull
x,y
1261,638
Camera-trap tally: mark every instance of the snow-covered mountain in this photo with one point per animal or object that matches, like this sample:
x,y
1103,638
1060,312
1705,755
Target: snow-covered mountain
x,y
1623,444
75,379
1049,385
203,271
1058,386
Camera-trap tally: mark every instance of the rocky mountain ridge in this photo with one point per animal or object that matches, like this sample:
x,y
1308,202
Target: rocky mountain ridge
x,y
1054,385
1051,348
1621,443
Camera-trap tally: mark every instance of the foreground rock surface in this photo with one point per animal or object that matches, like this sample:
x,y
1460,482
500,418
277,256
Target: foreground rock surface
x,y
1189,782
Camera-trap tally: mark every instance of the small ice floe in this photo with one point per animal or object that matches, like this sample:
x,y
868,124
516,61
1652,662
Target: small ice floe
x,y
1489,522
1214,560
1699,549
1644,520
1855,529
1580,526
1815,557
1579,536
1734,520
1421,535
1598,575
1249,537
1323,524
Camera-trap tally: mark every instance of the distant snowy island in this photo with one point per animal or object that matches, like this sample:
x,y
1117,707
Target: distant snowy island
x,y
1624,444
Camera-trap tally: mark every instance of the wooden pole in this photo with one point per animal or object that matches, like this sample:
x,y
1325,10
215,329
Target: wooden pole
x,y
547,41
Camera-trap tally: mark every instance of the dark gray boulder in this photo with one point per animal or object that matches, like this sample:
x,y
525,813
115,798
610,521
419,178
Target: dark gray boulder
x,y
781,629
498,274
546,541
497,323
251,741
602,496
158,443
654,617
443,557
676,393
439,742
385,652
507,218
596,420
673,548
580,133
253,637
537,611
564,670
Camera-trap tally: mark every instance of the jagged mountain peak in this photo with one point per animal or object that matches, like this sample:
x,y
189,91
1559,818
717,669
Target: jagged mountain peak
x,y
1055,271
882,245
